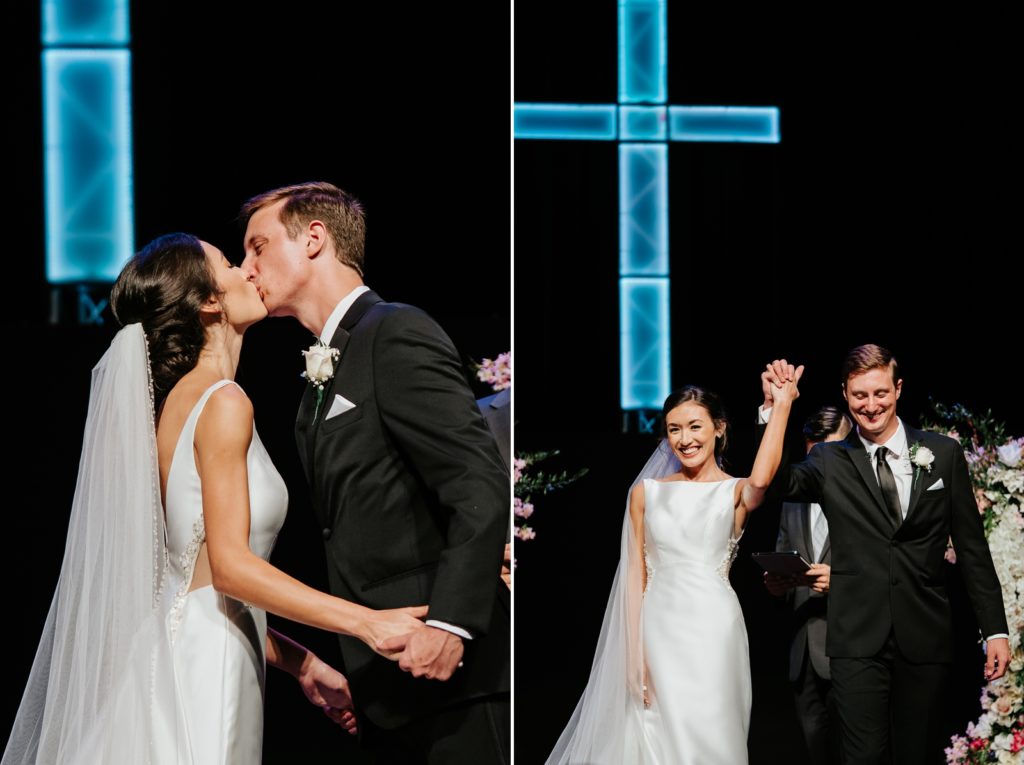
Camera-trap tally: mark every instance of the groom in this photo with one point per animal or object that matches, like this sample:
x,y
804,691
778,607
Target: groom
x,y
406,483
893,495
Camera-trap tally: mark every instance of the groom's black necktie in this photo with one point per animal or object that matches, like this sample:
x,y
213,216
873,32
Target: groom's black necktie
x,y
888,484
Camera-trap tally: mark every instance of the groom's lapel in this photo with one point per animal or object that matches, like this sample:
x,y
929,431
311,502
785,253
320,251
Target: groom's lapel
x,y
306,426
303,423
340,341
859,456
914,436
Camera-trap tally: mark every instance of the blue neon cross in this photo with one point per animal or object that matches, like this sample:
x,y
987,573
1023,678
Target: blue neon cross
x,y
643,125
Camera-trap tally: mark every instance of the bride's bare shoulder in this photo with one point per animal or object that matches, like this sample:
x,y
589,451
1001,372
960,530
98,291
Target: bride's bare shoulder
x,y
228,405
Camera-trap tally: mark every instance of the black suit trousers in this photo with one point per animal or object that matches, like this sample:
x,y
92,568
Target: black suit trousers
x,y
889,708
476,731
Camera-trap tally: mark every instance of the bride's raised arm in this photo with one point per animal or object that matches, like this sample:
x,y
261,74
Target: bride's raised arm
x,y
769,454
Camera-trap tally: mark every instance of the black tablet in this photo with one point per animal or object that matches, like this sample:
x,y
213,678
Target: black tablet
x,y
785,562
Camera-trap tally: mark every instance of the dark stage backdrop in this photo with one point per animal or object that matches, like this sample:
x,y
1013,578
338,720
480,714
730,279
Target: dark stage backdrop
x,y
880,217
407,109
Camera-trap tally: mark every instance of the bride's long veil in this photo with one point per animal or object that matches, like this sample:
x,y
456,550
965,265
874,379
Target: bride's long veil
x,y
91,694
608,725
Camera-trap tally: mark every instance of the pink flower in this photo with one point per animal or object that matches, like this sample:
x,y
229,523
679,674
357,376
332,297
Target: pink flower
x,y
497,372
984,503
1003,705
522,509
525,533
519,466
978,744
976,454
1018,741
956,753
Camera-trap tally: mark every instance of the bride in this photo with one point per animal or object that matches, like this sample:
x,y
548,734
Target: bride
x,y
156,640
670,682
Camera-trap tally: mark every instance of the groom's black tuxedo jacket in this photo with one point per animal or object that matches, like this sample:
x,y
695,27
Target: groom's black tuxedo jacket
x,y
887,577
413,501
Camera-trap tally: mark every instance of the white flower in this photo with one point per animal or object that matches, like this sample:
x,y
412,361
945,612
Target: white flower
x,y
922,457
983,729
320,360
1010,454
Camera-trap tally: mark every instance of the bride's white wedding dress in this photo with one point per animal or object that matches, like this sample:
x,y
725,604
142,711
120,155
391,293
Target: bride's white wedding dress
x,y
686,627
133,665
695,639
217,643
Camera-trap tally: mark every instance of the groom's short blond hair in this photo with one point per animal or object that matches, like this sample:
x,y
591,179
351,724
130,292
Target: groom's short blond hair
x,y
866,357
342,214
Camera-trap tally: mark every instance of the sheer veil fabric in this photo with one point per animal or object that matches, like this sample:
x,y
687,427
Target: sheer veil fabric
x,y
609,725
101,688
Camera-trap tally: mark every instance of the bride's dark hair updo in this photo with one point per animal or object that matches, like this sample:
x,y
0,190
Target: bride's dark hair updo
x,y
163,286
705,398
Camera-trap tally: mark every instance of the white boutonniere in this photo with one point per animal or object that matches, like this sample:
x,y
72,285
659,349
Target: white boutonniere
x,y
320,360
921,457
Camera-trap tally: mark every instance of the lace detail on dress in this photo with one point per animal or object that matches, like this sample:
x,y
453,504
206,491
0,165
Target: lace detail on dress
x,y
649,568
188,564
730,555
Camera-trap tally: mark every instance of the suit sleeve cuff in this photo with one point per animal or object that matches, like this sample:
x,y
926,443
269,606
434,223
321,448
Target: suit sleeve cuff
x,y
449,628
990,637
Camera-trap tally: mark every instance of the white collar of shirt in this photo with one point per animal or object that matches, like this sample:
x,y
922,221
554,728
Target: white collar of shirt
x,y
339,313
897,442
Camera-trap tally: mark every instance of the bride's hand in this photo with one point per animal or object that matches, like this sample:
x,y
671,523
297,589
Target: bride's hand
x,y
392,622
788,392
328,689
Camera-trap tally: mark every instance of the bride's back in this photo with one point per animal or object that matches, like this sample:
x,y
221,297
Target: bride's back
x,y
171,420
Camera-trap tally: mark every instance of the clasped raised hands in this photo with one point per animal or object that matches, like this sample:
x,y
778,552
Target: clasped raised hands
x,y
779,382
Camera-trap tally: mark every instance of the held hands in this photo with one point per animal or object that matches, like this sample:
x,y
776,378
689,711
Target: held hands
x,y
328,689
779,382
428,652
997,651
392,623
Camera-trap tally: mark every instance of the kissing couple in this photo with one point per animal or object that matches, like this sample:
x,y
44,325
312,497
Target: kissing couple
x,y
156,641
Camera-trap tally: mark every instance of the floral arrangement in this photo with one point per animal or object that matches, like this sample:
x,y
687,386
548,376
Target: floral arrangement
x,y
527,485
996,464
496,372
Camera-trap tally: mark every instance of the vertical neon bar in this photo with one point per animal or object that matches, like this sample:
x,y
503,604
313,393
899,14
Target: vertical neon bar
x,y
644,275
87,139
642,52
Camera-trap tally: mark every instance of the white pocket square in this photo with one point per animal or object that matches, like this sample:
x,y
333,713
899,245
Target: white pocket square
x,y
936,486
339,406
